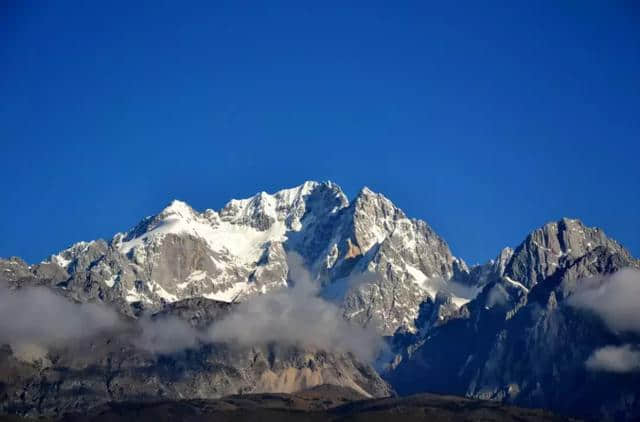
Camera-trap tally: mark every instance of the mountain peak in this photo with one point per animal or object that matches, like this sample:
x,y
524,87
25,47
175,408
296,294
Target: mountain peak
x,y
177,207
308,185
367,195
371,203
287,194
545,248
287,206
366,191
563,223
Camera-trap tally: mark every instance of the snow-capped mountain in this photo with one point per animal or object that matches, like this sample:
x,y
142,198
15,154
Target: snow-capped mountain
x,y
507,330
367,255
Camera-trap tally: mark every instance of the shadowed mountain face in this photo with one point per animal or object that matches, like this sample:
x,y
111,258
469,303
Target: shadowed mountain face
x,y
201,305
539,346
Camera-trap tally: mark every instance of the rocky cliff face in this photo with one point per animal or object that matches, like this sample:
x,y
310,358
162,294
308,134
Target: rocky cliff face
x,y
385,264
552,246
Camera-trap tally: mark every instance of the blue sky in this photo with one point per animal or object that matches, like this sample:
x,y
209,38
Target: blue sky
x,y
485,120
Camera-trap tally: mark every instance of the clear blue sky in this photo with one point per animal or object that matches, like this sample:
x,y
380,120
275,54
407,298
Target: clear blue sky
x,y
485,120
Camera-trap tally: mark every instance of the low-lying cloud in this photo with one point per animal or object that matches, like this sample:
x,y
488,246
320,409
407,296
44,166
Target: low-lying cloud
x,y
167,335
33,319
619,359
615,298
38,316
296,316
497,296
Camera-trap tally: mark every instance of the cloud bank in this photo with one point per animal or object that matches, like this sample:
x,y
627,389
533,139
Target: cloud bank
x,y
167,335
497,296
39,316
296,316
35,319
618,359
615,298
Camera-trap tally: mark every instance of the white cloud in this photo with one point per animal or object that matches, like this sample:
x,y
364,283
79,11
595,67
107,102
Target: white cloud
x,y
615,298
38,316
615,359
295,316
166,335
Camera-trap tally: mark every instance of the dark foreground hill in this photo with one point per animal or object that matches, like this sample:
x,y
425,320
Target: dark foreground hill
x,y
323,403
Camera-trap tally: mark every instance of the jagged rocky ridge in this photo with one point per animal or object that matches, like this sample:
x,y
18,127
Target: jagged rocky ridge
x,y
373,260
502,330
